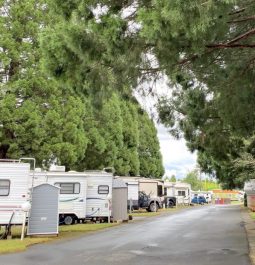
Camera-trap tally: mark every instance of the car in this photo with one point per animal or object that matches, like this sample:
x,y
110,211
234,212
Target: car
x,y
199,200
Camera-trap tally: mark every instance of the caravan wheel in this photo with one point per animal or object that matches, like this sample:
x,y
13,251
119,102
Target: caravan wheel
x,y
69,220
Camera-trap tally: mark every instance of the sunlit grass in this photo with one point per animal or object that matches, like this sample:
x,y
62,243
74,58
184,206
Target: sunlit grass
x,y
66,231
252,214
145,214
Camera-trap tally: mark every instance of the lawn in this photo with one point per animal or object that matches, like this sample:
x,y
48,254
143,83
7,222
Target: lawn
x,y
252,214
67,231
144,213
236,202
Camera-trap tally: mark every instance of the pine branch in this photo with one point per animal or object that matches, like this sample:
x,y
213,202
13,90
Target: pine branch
x,y
223,46
242,36
241,20
237,11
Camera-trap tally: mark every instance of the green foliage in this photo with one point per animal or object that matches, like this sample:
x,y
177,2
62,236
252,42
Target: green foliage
x,y
128,162
149,152
212,107
37,118
173,178
193,179
196,184
88,53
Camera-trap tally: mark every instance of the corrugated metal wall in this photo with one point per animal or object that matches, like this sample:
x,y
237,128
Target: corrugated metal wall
x,y
44,210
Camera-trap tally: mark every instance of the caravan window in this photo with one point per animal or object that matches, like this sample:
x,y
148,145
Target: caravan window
x,y
181,193
68,188
103,189
4,187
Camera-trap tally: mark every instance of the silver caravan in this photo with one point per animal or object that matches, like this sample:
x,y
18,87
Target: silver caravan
x,y
14,181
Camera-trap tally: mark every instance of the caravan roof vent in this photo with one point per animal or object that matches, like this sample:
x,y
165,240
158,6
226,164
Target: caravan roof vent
x,y
55,168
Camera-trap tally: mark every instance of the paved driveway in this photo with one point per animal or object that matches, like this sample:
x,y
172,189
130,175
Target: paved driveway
x,y
200,236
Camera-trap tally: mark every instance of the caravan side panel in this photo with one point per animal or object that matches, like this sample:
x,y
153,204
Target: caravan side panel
x,y
12,198
97,195
74,203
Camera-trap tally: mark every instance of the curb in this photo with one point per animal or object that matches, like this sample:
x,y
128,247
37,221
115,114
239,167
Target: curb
x,y
249,225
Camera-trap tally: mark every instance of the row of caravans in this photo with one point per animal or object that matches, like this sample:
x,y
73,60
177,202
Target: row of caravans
x,y
83,195
169,193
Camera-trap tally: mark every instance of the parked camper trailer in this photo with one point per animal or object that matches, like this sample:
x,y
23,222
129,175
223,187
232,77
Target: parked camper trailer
x,y
83,195
14,178
179,192
144,193
99,194
72,197
150,194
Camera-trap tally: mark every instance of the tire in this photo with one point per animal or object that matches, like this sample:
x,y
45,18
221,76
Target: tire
x,y
68,220
170,204
152,207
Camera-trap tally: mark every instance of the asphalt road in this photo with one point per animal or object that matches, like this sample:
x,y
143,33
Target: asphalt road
x,y
200,236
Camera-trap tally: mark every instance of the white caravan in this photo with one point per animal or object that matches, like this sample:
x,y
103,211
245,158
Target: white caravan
x,y
99,194
72,197
180,190
14,181
83,195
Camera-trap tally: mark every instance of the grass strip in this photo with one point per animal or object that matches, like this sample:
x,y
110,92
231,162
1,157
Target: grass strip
x,y
67,231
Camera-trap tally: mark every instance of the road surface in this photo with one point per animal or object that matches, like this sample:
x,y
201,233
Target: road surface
x,y
207,235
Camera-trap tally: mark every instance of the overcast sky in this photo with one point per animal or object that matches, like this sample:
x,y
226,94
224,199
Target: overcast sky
x,y
177,159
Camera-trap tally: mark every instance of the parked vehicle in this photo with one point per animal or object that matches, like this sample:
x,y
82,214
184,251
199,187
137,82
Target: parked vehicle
x,y
148,203
177,192
83,195
73,193
142,192
99,194
207,194
199,200
150,194
14,177
170,201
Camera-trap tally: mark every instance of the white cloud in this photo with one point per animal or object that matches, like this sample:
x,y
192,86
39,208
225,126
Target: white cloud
x,y
177,159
